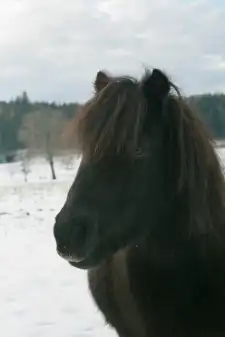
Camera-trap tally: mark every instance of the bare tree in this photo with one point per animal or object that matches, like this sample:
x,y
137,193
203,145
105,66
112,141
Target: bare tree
x,y
41,133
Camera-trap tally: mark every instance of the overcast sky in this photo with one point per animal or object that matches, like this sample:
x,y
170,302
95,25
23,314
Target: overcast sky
x,y
53,48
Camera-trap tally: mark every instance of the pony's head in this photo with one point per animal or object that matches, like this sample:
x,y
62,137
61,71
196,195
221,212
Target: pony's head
x,y
148,169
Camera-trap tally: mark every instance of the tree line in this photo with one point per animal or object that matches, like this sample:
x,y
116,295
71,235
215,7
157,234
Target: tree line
x,y
211,108
37,126
13,115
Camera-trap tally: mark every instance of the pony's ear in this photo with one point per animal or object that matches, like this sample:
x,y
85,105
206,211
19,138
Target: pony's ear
x,y
156,86
101,80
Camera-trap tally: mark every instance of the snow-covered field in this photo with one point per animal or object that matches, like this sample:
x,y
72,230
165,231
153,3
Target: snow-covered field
x,y
40,294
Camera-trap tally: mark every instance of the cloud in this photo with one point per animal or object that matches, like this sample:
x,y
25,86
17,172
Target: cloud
x,y
53,48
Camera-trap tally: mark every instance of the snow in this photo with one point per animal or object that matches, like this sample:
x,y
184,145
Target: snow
x,y
41,294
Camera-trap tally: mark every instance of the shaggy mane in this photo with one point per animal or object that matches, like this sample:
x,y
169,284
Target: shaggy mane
x,y
112,123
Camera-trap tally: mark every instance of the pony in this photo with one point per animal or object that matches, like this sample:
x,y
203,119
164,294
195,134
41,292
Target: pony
x,y
145,215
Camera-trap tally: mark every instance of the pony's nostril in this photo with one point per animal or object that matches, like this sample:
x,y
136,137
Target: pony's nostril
x,y
73,238
63,249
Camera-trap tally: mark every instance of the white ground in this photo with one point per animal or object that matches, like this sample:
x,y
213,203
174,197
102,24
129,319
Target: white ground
x,y
40,294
